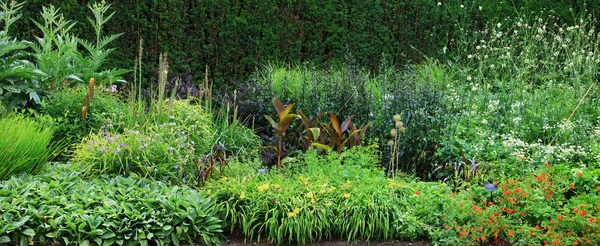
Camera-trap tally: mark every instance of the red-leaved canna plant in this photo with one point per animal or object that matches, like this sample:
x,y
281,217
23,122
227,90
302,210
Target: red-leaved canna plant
x,y
285,117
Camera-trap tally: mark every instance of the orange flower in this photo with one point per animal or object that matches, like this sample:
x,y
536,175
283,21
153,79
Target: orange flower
x,y
559,217
571,186
554,241
579,175
598,188
418,193
483,238
547,196
511,233
518,190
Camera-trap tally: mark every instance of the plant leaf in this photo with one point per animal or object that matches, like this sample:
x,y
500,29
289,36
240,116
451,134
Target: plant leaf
x,y
286,111
314,133
273,123
335,123
345,124
277,104
285,122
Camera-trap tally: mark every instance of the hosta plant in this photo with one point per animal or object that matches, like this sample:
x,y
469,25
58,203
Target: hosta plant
x,y
59,208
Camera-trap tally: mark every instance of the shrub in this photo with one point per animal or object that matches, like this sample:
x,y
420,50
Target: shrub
x,y
551,205
24,145
58,207
65,106
20,80
164,152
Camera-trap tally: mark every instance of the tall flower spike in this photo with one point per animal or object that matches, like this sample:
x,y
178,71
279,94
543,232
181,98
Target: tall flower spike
x,y
92,85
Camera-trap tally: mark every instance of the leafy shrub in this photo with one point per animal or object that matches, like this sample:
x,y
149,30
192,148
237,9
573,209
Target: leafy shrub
x,y
520,91
58,207
20,80
553,205
415,95
65,105
164,152
25,145
319,200
56,58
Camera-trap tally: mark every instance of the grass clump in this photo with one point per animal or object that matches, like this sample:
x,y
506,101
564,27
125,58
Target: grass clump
x,y
24,145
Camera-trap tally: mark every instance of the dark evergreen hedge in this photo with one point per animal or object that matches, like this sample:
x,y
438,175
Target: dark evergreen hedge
x,y
233,36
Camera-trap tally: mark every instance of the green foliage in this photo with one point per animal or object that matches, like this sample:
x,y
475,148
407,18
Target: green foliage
x,y
56,58
415,95
320,200
284,118
58,207
164,151
549,205
25,145
56,52
234,37
65,106
19,78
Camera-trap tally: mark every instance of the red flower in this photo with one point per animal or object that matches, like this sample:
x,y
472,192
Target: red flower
x,y
559,217
598,188
579,175
418,193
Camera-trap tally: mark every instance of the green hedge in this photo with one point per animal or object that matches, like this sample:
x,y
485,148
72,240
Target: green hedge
x,y
232,37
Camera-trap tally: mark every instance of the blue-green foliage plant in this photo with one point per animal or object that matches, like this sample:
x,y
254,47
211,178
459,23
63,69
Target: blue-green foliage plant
x,y
58,207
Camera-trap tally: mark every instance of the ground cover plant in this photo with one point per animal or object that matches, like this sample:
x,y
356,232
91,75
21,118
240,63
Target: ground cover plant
x,y
58,207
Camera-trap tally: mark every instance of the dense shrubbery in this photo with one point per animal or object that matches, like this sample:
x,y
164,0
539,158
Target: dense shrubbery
x,y
233,37
57,207
64,107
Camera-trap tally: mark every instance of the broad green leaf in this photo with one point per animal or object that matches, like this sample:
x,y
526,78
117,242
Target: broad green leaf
x,y
108,235
314,133
29,232
321,146
4,239
285,111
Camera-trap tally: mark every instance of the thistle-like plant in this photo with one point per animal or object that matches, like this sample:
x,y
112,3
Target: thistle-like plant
x,y
284,119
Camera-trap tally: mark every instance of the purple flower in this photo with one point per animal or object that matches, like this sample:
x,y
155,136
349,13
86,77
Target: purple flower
x,y
102,150
122,145
176,166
